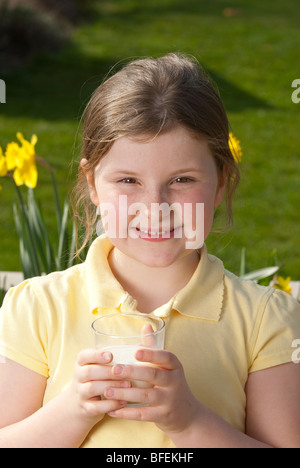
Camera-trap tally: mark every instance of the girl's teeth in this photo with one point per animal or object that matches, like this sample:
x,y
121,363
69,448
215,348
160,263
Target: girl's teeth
x,y
154,233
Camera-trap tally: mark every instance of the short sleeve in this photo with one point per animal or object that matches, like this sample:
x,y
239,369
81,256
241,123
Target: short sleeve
x,y
23,331
278,325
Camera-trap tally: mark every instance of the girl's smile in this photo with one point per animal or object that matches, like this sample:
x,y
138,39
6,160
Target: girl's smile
x,y
155,236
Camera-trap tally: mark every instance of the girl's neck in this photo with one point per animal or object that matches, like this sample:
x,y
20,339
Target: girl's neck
x,y
151,286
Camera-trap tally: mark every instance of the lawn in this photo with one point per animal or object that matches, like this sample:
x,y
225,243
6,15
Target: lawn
x,y
251,49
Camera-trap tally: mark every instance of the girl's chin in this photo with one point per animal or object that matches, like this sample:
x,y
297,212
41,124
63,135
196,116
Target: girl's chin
x,y
157,255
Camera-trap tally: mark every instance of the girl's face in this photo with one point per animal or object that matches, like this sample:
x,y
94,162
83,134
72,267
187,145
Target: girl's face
x,y
139,180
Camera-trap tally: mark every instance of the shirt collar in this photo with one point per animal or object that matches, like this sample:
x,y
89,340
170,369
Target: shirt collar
x,y
201,298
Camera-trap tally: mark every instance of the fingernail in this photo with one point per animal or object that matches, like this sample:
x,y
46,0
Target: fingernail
x,y
118,369
106,356
139,355
126,384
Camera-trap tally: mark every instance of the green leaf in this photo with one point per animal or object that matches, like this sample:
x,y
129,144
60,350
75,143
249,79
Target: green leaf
x,y
243,262
71,259
57,202
261,273
63,239
25,232
41,238
37,230
29,266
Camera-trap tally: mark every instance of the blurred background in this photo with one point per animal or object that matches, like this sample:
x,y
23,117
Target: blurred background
x,y
54,53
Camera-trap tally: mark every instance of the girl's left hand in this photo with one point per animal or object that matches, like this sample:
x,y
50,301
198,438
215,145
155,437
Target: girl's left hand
x,y
170,402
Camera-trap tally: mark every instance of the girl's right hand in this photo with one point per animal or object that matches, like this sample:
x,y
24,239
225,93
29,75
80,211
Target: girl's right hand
x,y
91,376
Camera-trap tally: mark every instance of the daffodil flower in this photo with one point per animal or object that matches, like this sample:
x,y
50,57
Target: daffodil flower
x,y
12,155
235,147
283,284
3,165
27,172
29,147
22,160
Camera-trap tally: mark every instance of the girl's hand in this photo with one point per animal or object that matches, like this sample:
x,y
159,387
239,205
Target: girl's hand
x,y
170,402
92,376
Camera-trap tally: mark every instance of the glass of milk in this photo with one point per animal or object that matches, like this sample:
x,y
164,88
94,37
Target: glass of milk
x,y
123,334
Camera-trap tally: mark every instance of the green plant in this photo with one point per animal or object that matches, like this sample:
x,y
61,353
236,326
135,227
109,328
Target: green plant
x,y
267,275
38,254
2,290
262,274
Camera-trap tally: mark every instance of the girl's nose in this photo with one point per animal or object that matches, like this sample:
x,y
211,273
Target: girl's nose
x,y
157,208
155,196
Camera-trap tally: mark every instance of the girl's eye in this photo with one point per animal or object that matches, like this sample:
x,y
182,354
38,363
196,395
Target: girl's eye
x,y
128,180
182,180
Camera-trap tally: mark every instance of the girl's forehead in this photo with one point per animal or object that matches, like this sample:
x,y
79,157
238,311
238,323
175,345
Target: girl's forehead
x,y
176,149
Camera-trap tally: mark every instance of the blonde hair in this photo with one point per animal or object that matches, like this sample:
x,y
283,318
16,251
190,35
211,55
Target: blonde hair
x,y
149,97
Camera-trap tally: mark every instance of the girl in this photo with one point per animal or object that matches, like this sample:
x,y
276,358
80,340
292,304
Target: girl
x,y
155,133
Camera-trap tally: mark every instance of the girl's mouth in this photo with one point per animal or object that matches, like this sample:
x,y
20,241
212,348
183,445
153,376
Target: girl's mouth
x,y
161,235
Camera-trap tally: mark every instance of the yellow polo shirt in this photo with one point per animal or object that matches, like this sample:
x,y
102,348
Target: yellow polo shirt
x,y
219,326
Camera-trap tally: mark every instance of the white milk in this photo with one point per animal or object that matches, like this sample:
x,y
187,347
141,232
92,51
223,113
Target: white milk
x,y
124,354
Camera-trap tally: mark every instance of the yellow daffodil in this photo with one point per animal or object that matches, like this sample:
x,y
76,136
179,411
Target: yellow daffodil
x,y
22,160
235,147
283,284
13,156
29,147
3,165
27,173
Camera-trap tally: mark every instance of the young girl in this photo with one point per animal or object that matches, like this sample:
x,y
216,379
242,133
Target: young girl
x,y
155,134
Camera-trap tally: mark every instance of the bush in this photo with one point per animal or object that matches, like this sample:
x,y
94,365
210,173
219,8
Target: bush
x,y
66,10
24,31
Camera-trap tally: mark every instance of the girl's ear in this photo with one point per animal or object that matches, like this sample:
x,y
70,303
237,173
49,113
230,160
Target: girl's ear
x,y
91,183
221,187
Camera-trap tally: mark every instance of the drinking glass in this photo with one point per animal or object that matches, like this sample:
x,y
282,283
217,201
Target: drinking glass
x,y
123,334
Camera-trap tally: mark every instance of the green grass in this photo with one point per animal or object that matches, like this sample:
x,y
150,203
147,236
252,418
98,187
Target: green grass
x,y
253,58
